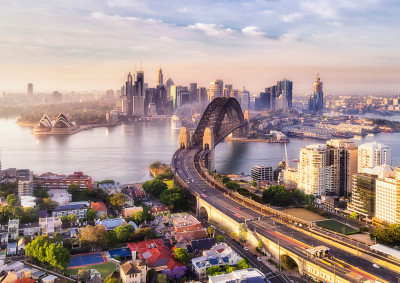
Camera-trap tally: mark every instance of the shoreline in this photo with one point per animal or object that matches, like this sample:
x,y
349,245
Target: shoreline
x,y
255,140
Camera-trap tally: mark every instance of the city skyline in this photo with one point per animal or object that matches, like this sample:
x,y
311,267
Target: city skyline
x,y
87,46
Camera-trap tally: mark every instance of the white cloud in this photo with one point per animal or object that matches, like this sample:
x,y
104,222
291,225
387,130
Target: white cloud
x,y
292,17
212,29
253,31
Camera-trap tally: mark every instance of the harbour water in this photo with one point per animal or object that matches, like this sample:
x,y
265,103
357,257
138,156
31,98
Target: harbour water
x,y
124,152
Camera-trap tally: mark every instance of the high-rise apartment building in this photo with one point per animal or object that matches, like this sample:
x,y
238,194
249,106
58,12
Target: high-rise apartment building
x,y
316,101
387,203
315,176
245,99
159,78
203,97
30,89
216,89
262,173
373,154
193,92
342,156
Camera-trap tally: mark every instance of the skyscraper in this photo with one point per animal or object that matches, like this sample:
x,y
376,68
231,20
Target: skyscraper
x,y
265,100
316,101
193,92
159,78
373,154
216,89
315,176
284,92
203,97
245,99
30,89
129,92
173,95
139,84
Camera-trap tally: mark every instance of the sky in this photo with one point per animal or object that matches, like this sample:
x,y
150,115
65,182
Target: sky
x,y
80,45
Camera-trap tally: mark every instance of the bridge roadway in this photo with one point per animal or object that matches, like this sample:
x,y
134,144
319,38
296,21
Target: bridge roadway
x,y
184,167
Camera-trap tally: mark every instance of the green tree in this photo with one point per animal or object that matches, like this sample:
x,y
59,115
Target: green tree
x,y
103,216
64,219
117,201
94,236
182,255
138,217
213,270
219,238
48,204
72,217
143,234
74,190
11,200
28,215
110,279
175,198
112,238
210,231
354,215
288,262
243,264
155,187
151,274
91,215
161,278
123,232
57,238
242,233
230,269
260,245
40,192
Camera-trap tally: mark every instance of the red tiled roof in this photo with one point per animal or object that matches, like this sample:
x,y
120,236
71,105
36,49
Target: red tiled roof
x,y
99,206
156,255
25,280
157,209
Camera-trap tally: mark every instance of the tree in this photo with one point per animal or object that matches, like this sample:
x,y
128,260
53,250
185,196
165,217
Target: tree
x,y
143,234
93,236
230,269
91,215
83,275
175,198
64,219
11,200
48,204
213,270
138,217
29,215
110,279
117,201
112,238
151,274
161,278
219,238
260,245
242,233
40,192
210,231
155,187
74,189
354,215
182,255
72,217
243,264
57,238
288,262
387,235
123,232
176,274
103,216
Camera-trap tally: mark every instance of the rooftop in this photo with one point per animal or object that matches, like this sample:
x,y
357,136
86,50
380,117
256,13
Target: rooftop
x,y
99,206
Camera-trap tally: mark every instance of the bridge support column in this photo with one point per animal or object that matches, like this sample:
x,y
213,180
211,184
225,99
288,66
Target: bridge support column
x,y
184,138
208,144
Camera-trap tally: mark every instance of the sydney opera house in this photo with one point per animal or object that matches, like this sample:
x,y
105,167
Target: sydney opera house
x,y
61,126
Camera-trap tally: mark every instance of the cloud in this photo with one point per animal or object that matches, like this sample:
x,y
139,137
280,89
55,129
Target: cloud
x,y
292,17
253,31
212,29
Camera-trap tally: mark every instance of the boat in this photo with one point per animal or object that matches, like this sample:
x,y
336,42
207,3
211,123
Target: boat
x,y
371,135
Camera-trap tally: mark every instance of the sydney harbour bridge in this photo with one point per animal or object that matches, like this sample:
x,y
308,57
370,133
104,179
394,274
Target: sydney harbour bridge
x,y
315,256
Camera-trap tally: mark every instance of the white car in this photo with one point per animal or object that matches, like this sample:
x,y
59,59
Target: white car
x,y
246,248
259,258
376,266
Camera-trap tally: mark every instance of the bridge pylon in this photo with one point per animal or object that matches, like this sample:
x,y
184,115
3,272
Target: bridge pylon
x,y
184,138
208,144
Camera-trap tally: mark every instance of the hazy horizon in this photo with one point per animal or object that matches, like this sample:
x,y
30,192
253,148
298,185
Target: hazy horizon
x,y
88,45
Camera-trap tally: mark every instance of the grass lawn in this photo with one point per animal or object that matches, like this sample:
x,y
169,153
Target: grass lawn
x,y
170,183
335,226
105,269
303,214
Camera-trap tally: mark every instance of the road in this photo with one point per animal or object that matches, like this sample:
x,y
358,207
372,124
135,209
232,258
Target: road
x,y
184,167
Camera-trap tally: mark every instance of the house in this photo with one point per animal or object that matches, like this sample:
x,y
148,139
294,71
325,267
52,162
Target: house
x,y
160,209
133,271
157,255
111,224
29,229
50,225
49,279
99,207
12,248
198,246
188,236
13,229
184,222
70,230
130,211
60,196
28,201
25,280
78,209
21,246
12,276
218,255
252,275
3,237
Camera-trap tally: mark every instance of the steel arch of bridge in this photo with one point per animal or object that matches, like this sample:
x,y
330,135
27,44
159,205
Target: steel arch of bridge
x,y
224,115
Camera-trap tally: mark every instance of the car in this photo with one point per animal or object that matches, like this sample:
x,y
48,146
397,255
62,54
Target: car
x,y
376,266
239,208
204,190
255,255
246,248
259,258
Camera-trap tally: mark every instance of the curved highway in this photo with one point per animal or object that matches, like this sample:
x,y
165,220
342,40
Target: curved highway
x,y
183,165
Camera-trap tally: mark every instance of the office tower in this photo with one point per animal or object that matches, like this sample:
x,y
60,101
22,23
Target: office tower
x,y
216,89
173,95
315,176
363,200
272,94
342,156
387,203
138,106
127,105
193,92
57,97
265,100
159,78
235,93
227,90
168,85
139,84
203,97
257,104
316,101
262,173
185,96
373,154
245,99
30,89
284,92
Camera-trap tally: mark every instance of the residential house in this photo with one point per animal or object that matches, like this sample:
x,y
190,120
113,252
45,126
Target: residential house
x,y
50,225
78,209
28,201
218,255
49,279
160,209
111,224
12,248
130,211
99,207
184,222
13,229
252,275
21,246
133,271
29,229
198,246
157,255
60,196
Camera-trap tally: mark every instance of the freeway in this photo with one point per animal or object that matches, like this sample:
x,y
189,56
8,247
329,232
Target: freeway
x,y
183,164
